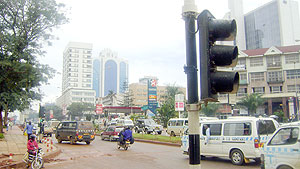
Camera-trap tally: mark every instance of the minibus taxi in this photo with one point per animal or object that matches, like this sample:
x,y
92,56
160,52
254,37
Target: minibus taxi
x,y
282,151
176,126
239,139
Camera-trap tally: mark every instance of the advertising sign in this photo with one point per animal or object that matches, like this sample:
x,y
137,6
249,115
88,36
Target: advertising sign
x,y
179,106
152,95
99,108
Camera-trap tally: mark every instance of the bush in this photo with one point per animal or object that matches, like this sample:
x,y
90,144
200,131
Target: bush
x,y
1,135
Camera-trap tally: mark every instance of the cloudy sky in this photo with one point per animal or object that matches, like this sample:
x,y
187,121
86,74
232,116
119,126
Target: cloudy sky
x,y
148,33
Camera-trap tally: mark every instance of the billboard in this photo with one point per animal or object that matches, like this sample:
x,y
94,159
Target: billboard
x,y
152,95
99,108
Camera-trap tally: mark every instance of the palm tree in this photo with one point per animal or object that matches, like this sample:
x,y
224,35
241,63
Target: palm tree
x,y
252,102
210,110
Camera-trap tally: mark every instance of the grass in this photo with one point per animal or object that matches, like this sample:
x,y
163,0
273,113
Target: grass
x,y
168,139
1,135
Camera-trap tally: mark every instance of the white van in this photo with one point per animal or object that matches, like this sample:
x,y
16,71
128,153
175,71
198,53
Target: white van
x,y
239,139
282,151
176,126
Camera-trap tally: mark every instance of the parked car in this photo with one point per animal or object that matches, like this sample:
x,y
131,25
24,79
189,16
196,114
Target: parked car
x,y
73,131
148,126
282,151
111,133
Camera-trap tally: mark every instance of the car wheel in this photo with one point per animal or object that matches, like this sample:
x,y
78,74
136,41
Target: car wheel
x,y
50,135
59,140
172,134
237,157
73,141
102,137
284,167
159,132
87,142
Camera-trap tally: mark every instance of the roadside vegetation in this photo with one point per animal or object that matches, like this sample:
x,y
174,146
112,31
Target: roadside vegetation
x,y
160,138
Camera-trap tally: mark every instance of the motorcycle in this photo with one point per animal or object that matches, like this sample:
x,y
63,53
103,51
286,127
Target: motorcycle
x,y
34,161
126,145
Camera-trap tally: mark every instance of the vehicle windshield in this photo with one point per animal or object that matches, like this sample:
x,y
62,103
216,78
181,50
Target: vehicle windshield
x,y
119,129
85,125
265,127
150,122
128,122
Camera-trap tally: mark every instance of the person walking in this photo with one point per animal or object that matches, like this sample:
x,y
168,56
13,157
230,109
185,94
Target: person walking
x,y
29,128
207,133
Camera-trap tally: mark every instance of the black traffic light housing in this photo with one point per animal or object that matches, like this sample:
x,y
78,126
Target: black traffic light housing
x,y
42,112
212,56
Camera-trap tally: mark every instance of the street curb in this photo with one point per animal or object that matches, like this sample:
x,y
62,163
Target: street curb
x,y
157,142
21,164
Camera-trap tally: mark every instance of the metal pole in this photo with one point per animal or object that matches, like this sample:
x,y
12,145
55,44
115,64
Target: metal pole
x,y
189,15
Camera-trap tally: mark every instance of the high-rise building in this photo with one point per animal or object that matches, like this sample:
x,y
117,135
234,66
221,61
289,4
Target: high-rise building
x,y
110,74
237,13
77,74
273,24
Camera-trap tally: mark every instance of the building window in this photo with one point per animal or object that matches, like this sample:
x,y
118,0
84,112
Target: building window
x,y
243,76
260,90
275,76
276,89
273,61
258,76
241,61
291,88
292,58
242,92
292,74
255,62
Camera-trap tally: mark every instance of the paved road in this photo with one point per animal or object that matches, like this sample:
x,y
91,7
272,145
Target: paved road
x,y
104,154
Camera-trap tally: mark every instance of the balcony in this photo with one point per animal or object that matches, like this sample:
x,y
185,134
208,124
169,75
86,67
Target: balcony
x,y
274,65
275,81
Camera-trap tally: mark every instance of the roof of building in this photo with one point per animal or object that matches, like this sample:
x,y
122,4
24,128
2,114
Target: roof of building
x,y
262,51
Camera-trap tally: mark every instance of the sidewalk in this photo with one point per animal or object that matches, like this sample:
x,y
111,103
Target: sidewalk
x,y
16,143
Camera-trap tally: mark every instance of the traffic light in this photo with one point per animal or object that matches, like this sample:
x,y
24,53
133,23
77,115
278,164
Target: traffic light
x,y
41,112
212,56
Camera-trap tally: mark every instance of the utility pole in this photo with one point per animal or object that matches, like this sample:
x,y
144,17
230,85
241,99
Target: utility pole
x,y
189,13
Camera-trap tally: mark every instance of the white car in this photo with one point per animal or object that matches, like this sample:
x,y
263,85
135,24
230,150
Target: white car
x,y
282,151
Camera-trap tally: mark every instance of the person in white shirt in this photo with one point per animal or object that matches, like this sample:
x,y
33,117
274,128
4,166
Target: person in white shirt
x,y
207,133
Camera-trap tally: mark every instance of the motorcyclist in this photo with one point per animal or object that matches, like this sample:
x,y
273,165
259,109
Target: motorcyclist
x,y
126,134
32,145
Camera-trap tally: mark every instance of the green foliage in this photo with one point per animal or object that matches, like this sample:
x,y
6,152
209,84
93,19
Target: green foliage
x,y
251,102
77,109
134,117
157,138
1,135
26,26
57,112
210,110
281,117
167,110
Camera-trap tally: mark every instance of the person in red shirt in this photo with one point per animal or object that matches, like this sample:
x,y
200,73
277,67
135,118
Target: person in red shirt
x,y
32,145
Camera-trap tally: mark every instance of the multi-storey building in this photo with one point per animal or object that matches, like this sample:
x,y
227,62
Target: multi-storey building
x,y
77,74
139,92
276,23
110,74
273,72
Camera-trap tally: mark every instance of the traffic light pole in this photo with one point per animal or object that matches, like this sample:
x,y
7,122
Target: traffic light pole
x,y
189,16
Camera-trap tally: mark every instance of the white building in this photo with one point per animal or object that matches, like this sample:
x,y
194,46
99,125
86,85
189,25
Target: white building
x,y
110,73
77,74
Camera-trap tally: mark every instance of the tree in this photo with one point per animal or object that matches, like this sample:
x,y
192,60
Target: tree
x,y
281,117
167,110
210,110
77,109
57,112
127,95
26,26
251,103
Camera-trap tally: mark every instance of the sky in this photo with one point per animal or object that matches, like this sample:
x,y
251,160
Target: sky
x,y
150,34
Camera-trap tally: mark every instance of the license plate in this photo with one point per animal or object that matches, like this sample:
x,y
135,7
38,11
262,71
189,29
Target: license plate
x,y
127,142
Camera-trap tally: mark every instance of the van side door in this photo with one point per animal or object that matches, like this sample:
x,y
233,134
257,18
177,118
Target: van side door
x,y
283,148
214,145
